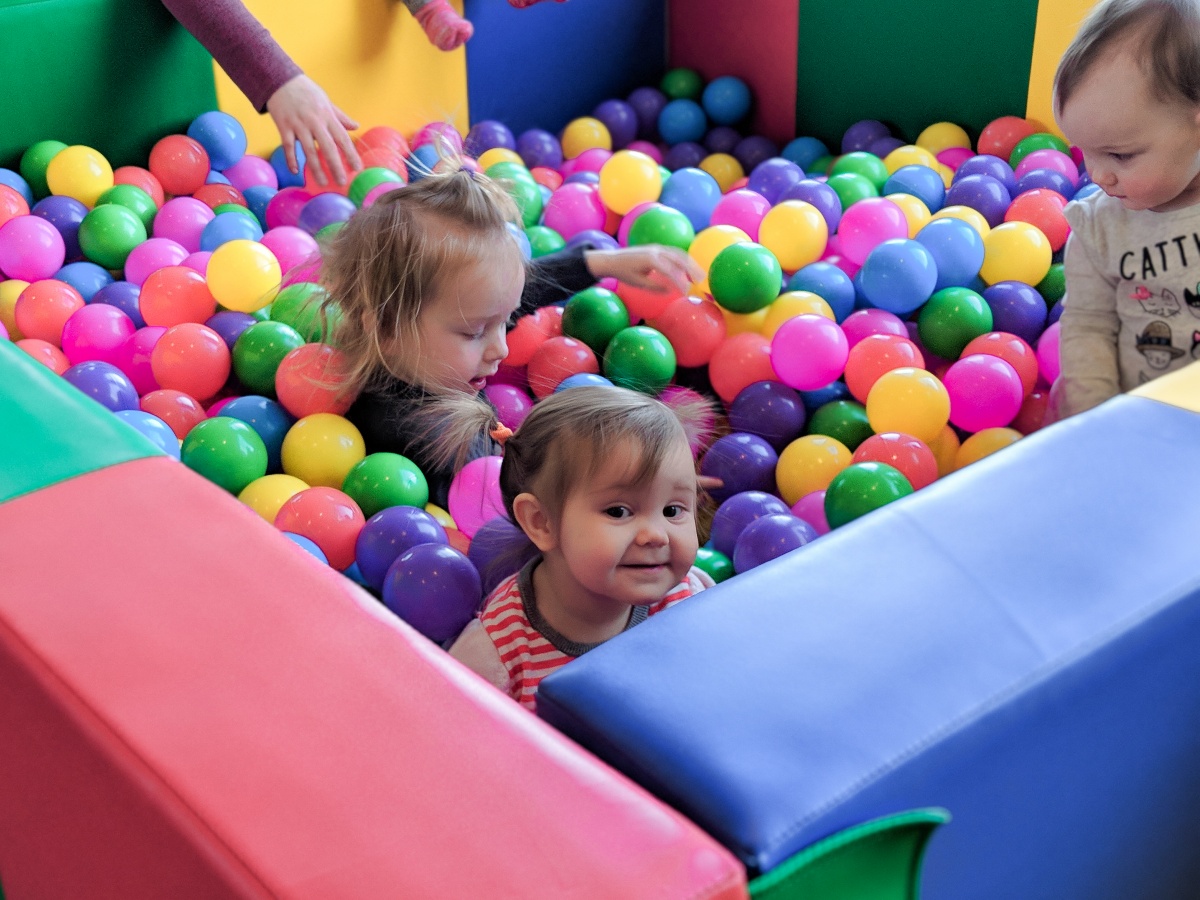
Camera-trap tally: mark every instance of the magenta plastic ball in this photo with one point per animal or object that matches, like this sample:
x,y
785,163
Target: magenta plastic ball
x,y
150,256
97,331
743,462
574,208
292,246
31,249
1052,159
732,517
512,404
389,533
867,224
811,508
743,209
769,538
133,358
985,392
1047,354
592,160
433,588
475,494
198,261
439,133
252,171
651,150
808,352
284,208
866,322
182,220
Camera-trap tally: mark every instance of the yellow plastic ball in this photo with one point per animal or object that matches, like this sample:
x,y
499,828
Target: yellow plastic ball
x,y
915,211
243,276
808,464
627,179
708,243
9,292
739,323
585,133
790,304
79,172
942,136
321,449
945,447
724,168
972,217
1015,251
795,232
909,155
911,401
265,495
947,174
443,518
984,443
498,154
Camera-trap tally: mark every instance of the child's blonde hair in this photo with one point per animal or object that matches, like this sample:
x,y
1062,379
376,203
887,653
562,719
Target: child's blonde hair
x,y
1164,39
389,259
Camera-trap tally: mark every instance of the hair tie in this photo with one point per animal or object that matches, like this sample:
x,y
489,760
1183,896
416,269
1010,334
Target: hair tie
x,y
501,433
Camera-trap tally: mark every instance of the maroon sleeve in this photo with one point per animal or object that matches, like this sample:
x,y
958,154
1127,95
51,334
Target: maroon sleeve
x,y
239,43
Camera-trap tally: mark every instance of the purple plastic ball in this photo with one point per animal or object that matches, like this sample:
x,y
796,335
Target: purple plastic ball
x,y
647,103
487,135
773,177
769,409
621,120
1055,313
820,195
230,325
65,214
743,462
732,517
983,193
721,139
104,383
583,177
389,533
1045,178
884,146
539,148
598,240
1017,308
768,538
433,588
499,549
684,155
986,164
125,296
325,209
751,151
862,134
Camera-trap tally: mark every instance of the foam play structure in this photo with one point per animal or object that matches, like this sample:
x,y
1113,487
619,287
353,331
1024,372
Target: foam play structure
x,y
986,690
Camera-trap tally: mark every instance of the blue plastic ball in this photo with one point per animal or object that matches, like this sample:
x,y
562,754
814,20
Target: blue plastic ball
x,y
804,151
283,174
898,275
15,181
921,181
221,135
682,120
229,226
814,400
421,162
582,379
830,283
257,197
152,427
957,249
86,277
726,100
694,193
307,545
215,177
268,418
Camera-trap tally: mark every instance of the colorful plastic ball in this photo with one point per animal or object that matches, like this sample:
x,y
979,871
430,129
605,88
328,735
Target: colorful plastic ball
x,y
1001,135
324,209
628,178
984,443
435,589
511,403
985,392
862,134
726,100
811,508
574,208
695,328
180,411
191,358
951,319
808,464
321,449
539,148
988,196
754,150
795,232
328,518
180,163
230,226
221,136
243,275
742,208
662,225
15,181
861,488
829,283
226,451
808,351
284,176
903,452
133,198
1013,350
96,333
743,462
868,223
582,134
1044,210
740,361
910,401
138,177
251,172
259,351
682,120
65,214
1015,251
621,120
843,420
43,308
1038,141
12,204
104,383
30,248
710,242
724,168
956,248
183,220
737,512
153,429
175,294
382,480
152,256
876,354
34,162
558,358
863,322
45,353
1048,354
1054,286
1032,416
86,277
852,188
474,495
308,546
640,358
899,275
310,379
774,177
804,151
745,277
133,358
390,532
79,172
717,564
269,420
230,325
693,192
593,316
109,233
1017,309
770,537
920,181
769,409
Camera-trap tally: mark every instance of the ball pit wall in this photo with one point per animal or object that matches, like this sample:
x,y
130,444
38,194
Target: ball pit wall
x,y
193,706
1014,643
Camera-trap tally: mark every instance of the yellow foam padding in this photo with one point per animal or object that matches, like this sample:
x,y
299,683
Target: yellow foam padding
x,y
371,57
1057,22
1180,388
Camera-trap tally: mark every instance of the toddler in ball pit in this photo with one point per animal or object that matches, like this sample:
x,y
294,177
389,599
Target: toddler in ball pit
x,y
1127,93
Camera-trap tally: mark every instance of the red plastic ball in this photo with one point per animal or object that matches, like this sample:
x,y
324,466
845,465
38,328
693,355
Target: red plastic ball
x,y
643,303
328,518
43,308
191,358
179,410
1032,414
213,195
911,457
1043,209
695,328
46,353
557,359
143,178
179,163
12,204
382,137
1013,350
529,333
1001,135
173,295
310,379
873,356
740,361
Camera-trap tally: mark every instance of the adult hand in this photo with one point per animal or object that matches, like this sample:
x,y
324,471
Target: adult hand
x,y
650,266
303,112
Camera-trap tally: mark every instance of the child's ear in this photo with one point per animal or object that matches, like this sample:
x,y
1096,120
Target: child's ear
x,y
534,520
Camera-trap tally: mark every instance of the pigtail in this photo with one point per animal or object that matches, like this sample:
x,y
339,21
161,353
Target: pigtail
x,y
449,425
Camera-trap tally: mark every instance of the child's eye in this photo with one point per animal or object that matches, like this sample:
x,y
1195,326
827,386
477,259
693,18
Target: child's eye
x,y
674,511
617,512
1122,157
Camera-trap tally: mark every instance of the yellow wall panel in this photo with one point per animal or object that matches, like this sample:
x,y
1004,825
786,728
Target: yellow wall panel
x,y
1057,22
370,56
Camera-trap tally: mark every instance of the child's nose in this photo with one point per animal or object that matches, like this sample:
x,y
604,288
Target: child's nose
x,y
497,347
652,534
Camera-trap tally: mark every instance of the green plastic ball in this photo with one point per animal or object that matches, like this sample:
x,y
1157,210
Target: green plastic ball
x,y
527,194
641,359
34,162
543,240
109,233
851,187
594,316
682,84
662,225
821,165
226,451
951,319
368,179
132,198
508,171
326,234
715,563
235,208
844,420
868,165
299,305
1040,141
258,352
1054,285
860,488
381,480
745,277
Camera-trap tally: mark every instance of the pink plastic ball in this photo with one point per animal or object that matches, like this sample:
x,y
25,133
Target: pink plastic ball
x,y
512,404
808,352
865,322
574,208
198,261
30,248
252,171
284,208
437,132
378,191
985,392
651,150
292,246
133,358
811,508
1052,159
1047,353
96,332
867,224
743,209
150,256
592,160
182,220
953,157
475,494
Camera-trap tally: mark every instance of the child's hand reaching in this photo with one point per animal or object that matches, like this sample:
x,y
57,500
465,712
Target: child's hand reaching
x,y
651,266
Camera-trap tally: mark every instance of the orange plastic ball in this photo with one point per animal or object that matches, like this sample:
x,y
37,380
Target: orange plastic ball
x,y
44,307
738,362
173,295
